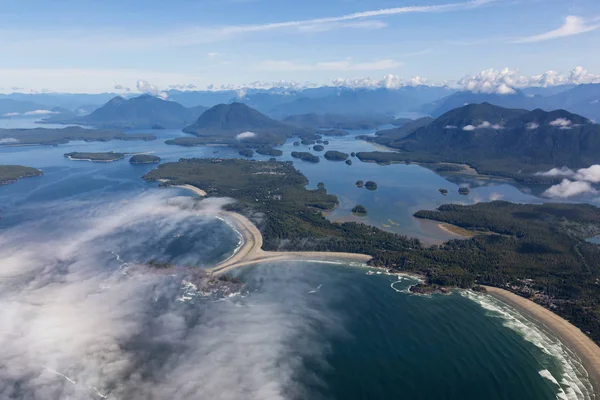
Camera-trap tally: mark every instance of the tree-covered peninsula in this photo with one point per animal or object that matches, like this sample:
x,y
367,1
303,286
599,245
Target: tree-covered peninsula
x,y
95,157
538,251
12,173
43,136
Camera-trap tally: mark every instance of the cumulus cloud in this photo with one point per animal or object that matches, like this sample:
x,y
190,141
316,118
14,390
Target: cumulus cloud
x,y
184,87
122,88
245,135
591,174
573,25
492,81
483,125
81,318
568,188
563,171
532,126
8,141
147,88
562,123
451,127
40,112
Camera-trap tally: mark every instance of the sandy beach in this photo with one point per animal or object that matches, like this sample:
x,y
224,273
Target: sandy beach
x,y
250,252
570,335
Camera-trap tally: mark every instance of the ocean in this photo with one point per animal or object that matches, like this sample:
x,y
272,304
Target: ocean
x,y
81,318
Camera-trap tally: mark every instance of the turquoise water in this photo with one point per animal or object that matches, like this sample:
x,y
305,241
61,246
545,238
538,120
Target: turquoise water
x,y
79,306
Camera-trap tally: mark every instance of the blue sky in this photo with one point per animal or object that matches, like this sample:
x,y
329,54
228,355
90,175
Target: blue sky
x,y
90,46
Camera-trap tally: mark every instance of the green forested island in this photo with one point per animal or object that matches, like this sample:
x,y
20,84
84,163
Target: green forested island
x,y
43,136
12,173
538,251
268,151
144,159
96,157
359,209
305,156
370,185
333,155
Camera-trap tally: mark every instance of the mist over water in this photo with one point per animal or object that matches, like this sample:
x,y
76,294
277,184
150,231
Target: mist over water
x,y
81,317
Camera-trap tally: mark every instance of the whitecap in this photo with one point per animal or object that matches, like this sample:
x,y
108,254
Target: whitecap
x,y
574,381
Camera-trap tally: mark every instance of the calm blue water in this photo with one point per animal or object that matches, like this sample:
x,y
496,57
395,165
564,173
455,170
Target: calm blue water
x,y
69,242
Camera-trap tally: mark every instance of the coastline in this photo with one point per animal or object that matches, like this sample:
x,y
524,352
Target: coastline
x,y
569,335
250,252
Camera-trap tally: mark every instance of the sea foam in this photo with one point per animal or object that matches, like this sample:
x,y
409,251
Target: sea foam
x,y
573,382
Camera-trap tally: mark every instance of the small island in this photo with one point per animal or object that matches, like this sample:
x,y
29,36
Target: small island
x,y
353,154
370,185
268,151
359,210
306,156
464,191
443,191
307,142
246,153
296,143
359,184
333,155
318,147
348,162
109,156
144,159
12,173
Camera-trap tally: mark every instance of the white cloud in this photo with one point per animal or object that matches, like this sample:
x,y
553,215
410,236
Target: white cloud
x,y
563,171
375,24
70,40
451,127
120,87
11,114
330,66
245,135
573,26
493,81
9,141
40,112
146,87
213,55
562,123
569,188
185,87
483,125
532,126
591,174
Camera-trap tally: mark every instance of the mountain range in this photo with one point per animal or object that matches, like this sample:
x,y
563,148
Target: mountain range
x,y
501,141
136,113
581,99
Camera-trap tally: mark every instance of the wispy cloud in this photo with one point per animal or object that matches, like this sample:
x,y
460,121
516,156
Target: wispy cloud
x,y
573,26
125,41
346,65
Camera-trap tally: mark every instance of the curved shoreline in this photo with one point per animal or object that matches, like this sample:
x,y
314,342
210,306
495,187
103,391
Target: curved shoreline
x,y
569,335
250,252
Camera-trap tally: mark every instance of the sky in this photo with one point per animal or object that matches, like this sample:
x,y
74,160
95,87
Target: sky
x,y
92,46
